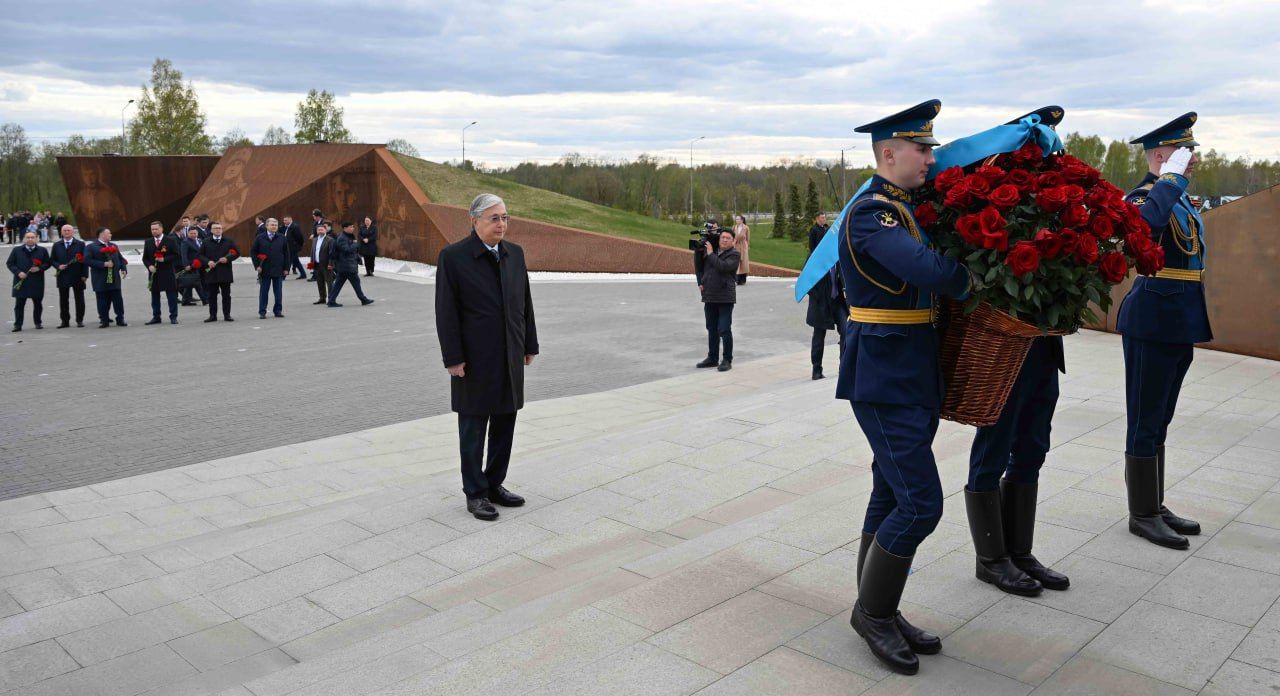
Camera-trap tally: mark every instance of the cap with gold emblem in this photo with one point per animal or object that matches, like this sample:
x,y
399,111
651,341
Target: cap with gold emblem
x,y
1049,115
914,124
1176,132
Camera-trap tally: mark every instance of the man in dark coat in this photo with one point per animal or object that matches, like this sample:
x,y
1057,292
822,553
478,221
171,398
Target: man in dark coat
x,y
67,257
322,253
346,265
368,244
190,279
160,256
270,255
217,255
719,286
484,319
827,309
28,262
293,234
107,272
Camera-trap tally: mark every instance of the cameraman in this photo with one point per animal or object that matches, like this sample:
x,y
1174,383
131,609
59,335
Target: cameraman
x,y
718,283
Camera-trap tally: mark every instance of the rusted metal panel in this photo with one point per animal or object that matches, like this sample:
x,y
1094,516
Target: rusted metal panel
x,y
127,193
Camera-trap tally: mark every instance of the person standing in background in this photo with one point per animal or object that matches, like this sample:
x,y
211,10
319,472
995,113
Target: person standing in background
x,y
827,308
322,261
742,242
368,244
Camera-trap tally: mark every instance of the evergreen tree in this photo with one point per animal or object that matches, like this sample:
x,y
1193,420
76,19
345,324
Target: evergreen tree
x,y
320,118
811,205
168,120
795,217
779,217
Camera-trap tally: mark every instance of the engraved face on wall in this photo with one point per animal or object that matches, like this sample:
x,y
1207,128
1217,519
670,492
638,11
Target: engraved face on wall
x,y
228,198
95,202
342,196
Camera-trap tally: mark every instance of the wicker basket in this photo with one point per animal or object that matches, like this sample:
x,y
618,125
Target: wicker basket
x,y
981,355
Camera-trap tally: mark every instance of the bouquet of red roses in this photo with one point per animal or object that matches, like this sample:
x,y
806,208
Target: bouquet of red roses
x,y
1045,236
36,264
110,251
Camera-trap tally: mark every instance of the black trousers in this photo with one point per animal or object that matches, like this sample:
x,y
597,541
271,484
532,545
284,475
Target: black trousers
x,y
324,279
19,307
343,278
223,289
64,302
108,299
368,263
172,295
816,348
719,328
297,263
198,287
477,482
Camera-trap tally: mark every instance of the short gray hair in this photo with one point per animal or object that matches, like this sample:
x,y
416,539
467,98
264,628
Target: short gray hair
x,y
484,202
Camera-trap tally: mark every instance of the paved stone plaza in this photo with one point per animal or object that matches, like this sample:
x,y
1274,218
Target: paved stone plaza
x,y
695,534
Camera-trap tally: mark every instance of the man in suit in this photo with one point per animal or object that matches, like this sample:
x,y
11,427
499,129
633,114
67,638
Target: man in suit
x,y
346,265
827,309
270,255
67,256
217,255
107,271
190,280
160,256
202,225
322,253
317,217
484,319
27,262
293,234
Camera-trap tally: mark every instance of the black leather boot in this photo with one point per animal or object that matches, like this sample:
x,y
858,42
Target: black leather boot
x,y
1142,480
1180,525
1018,506
875,613
922,642
817,372
994,565
708,362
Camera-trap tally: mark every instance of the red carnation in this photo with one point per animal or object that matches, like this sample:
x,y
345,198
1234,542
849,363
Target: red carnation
x,y
991,224
1049,180
948,178
80,257
1051,200
927,215
113,249
969,229
1075,215
994,175
1023,258
262,257
1023,179
311,265
1100,226
1005,196
1113,267
1086,251
1029,154
37,263
196,264
1049,244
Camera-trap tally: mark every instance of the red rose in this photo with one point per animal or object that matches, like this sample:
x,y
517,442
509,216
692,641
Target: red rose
x,y
969,229
1074,215
1113,267
1051,200
1069,240
1049,180
958,196
80,257
1075,194
1076,171
994,175
926,215
1086,251
1150,260
1005,196
1136,243
1023,258
1133,221
977,185
37,263
1023,179
196,264
994,235
948,178
1029,155
1049,244
262,257
1100,226
113,249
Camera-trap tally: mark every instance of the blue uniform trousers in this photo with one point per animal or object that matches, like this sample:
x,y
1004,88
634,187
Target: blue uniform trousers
x,y
1153,374
906,493
1016,444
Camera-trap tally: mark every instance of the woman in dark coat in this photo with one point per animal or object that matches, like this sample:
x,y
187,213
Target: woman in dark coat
x,y
368,244
827,308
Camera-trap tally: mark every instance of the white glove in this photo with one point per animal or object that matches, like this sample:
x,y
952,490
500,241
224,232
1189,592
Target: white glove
x,y
1177,162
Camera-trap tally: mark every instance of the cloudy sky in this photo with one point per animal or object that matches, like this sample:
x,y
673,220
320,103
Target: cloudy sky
x,y
761,79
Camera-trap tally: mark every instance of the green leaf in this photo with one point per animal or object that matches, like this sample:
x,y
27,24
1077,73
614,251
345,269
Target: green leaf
x,y
1011,286
1054,313
1028,291
1092,293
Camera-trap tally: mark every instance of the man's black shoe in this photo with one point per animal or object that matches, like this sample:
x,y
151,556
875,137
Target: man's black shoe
x,y
279,315
366,302
709,362
262,315
39,326
725,366
120,323
817,372
104,324
333,304
16,329
210,320
64,325
501,496
319,302
80,324
482,509
154,320
173,321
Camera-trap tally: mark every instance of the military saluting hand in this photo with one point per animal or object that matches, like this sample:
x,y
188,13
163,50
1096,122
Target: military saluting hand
x,y
1177,162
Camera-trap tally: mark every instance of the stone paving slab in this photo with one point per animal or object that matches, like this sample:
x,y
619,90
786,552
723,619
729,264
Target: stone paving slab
x,y
661,551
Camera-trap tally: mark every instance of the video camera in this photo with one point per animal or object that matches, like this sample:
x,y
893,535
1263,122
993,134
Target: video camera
x,y
709,234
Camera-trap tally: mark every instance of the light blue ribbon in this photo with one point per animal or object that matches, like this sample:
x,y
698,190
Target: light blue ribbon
x,y
958,153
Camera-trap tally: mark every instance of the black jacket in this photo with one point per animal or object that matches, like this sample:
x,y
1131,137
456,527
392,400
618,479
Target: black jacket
x,y
824,310
369,248
22,261
163,280
346,256
293,233
720,276
276,249
484,318
327,249
215,250
76,271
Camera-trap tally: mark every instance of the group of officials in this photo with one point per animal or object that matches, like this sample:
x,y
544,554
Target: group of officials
x,y
194,258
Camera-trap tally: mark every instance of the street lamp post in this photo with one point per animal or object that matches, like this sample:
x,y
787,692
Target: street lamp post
x,y
844,190
124,141
691,142
464,143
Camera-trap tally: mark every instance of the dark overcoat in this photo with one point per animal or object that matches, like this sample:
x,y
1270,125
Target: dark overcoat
x,y
345,257
163,280
277,250
369,248
484,318
96,260
824,310
76,272
215,250
22,261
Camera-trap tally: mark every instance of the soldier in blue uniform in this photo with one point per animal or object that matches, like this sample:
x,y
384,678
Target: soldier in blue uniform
x,y
1161,318
1005,461
889,371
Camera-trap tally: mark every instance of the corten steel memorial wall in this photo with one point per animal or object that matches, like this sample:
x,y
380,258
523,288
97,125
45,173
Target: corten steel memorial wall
x,y
1242,280
127,193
